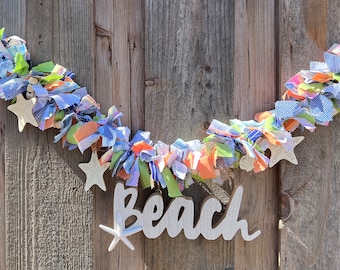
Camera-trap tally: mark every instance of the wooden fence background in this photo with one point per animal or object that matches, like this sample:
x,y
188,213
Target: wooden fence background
x,y
171,67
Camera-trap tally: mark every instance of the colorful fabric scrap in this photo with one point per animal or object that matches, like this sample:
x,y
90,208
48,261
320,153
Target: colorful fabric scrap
x,y
52,99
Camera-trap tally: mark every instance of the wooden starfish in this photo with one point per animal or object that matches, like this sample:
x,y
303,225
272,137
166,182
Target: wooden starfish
x,y
120,233
278,152
23,110
94,172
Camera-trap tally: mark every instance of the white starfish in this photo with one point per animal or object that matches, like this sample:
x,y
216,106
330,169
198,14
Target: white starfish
x,y
120,233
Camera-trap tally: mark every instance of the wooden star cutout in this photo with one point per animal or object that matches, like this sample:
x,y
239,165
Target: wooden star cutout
x,y
120,233
94,172
23,110
278,152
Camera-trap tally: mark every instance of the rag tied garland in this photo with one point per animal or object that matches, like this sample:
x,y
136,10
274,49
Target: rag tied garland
x,y
46,96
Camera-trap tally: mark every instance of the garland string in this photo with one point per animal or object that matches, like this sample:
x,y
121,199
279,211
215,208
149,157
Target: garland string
x,y
46,96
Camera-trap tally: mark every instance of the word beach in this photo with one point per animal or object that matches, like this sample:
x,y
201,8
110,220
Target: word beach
x,y
178,216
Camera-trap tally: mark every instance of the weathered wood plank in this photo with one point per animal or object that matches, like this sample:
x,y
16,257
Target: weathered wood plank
x,y
48,214
119,80
189,81
310,236
137,62
254,91
189,48
2,189
12,17
2,177
103,83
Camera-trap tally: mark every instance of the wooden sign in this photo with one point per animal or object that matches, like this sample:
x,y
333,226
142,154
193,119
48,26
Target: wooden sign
x,y
179,215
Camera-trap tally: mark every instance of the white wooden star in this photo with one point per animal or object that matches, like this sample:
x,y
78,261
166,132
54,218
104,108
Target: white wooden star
x,y
94,172
120,233
23,110
278,152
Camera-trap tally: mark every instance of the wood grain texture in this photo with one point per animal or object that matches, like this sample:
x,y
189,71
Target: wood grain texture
x,y
12,17
2,176
48,214
137,62
189,48
119,80
3,4
2,189
310,236
189,56
254,91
